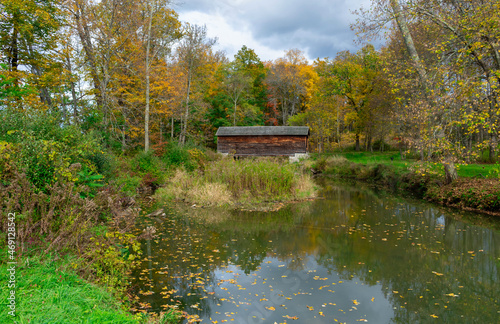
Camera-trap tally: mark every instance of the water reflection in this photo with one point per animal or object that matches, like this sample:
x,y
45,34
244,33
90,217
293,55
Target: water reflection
x,y
353,256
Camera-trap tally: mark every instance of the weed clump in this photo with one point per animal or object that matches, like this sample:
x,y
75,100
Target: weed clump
x,y
239,182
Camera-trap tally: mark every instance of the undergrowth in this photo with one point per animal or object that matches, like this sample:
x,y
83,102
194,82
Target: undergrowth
x,y
248,182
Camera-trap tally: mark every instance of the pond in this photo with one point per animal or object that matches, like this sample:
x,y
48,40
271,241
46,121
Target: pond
x,y
354,255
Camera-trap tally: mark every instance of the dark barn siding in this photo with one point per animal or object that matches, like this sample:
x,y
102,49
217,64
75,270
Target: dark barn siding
x,y
262,141
262,145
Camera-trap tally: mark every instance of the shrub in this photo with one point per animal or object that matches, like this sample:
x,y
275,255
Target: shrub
x,y
147,163
110,256
44,162
45,150
101,162
128,184
7,162
189,157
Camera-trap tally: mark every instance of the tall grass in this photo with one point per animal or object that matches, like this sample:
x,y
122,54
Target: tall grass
x,y
261,178
242,182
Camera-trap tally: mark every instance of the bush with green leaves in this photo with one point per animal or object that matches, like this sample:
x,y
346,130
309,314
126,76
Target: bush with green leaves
x,y
45,150
178,156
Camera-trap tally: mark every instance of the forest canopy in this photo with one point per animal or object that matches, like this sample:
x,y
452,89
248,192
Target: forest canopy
x,y
134,73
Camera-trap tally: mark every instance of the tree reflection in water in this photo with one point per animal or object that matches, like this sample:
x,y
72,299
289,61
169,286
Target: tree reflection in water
x,y
355,255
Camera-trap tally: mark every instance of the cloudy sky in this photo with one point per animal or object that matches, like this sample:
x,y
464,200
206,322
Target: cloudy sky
x,y
320,28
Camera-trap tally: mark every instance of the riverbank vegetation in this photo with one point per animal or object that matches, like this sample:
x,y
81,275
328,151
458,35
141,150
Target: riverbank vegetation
x,y
248,184
477,189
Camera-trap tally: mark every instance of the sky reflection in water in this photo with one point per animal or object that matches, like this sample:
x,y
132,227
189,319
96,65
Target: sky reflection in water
x,y
356,255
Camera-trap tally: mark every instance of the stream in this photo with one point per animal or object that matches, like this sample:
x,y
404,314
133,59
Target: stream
x,y
354,255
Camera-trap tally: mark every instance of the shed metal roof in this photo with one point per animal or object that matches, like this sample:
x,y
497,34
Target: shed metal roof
x,y
263,131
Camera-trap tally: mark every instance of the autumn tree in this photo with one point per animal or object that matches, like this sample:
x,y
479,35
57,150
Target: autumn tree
x,y
290,81
162,29
190,56
30,40
355,78
254,67
451,55
236,82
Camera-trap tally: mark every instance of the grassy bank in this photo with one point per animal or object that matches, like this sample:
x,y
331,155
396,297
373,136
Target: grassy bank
x,y
477,189
249,184
73,199
49,290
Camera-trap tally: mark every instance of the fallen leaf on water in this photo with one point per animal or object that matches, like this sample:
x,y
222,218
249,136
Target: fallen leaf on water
x,y
437,273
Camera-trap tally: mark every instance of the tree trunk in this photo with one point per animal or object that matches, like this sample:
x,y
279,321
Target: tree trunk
x,y
172,128
492,148
234,117
357,143
74,99
182,137
146,113
84,35
450,172
14,51
409,44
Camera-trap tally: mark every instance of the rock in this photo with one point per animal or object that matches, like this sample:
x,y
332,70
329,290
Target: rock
x,y
156,213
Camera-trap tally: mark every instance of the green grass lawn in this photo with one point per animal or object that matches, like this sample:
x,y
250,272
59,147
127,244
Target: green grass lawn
x,y
464,170
47,294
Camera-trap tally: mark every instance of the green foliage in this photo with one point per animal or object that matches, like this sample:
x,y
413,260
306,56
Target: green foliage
x,y
44,162
7,162
50,291
45,150
146,163
128,184
177,156
102,163
112,255
90,180
9,90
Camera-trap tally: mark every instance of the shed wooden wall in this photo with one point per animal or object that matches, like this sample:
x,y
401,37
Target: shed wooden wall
x,y
262,145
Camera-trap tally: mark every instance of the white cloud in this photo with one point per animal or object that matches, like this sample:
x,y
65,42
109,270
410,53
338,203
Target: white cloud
x,y
230,39
320,28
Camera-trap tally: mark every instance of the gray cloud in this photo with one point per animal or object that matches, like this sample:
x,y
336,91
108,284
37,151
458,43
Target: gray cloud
x,y
321,28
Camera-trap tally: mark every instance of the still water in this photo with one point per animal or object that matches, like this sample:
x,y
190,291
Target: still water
x,y
355,255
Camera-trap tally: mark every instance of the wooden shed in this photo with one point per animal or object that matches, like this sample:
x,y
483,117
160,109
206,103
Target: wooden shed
x,y
263,140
